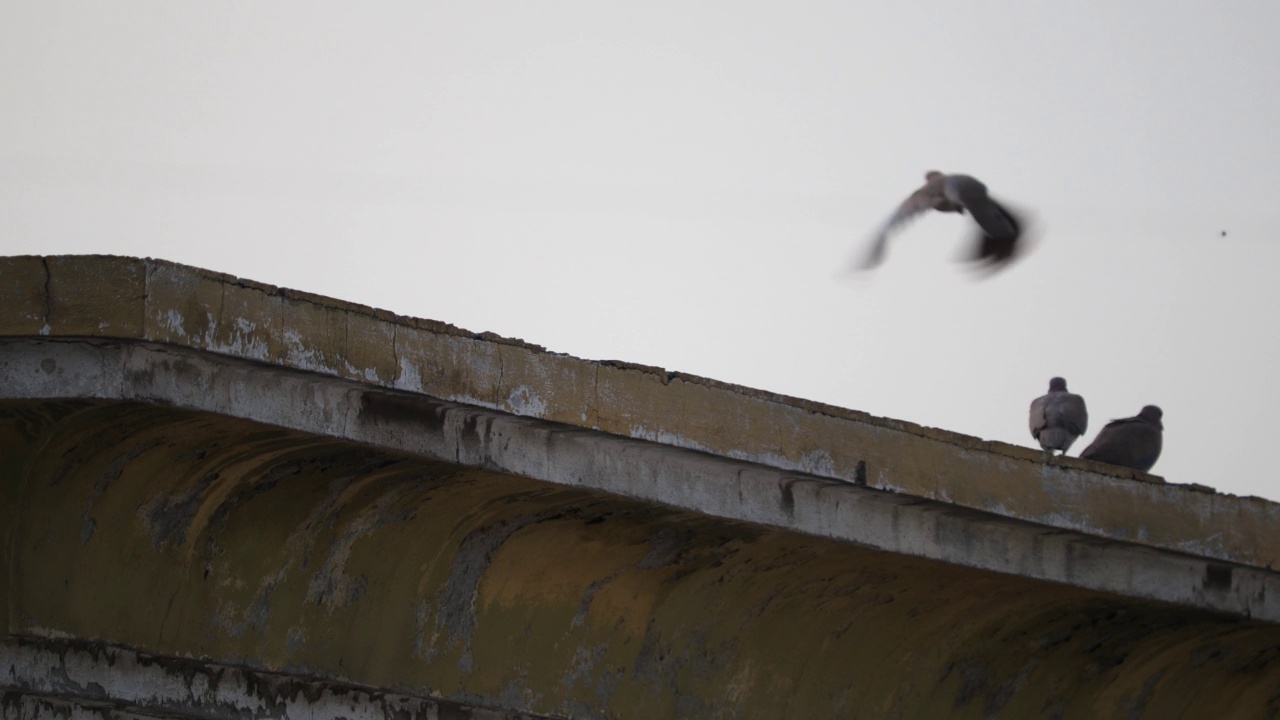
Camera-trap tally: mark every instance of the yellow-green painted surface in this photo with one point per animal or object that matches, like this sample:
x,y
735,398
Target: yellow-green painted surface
x,y
187,534
158,301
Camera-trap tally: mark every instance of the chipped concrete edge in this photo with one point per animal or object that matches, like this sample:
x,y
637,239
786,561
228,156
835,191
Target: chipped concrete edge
x,y
59,675
661,375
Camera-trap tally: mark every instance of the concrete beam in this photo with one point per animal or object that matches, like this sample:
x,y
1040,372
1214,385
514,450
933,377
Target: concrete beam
x,y
67,679
210,485
162,302
572,456
159,559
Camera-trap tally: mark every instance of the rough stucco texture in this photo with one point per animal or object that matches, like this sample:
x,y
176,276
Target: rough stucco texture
x,y
195,535
162,302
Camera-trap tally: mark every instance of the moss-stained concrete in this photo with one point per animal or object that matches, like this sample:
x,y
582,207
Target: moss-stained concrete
x,y
220,498
569,456
158,301
74,679
188,534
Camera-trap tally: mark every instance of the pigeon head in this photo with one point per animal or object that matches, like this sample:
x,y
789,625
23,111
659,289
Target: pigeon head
x,y
1152,414
1057,385
931,175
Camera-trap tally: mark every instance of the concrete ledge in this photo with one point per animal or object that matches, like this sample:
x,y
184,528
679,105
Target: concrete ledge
x,y
572,456
224,499
155,550
161,302
65,679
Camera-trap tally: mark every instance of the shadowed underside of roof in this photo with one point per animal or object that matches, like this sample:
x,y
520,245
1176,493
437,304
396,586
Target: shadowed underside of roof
x,y
221,497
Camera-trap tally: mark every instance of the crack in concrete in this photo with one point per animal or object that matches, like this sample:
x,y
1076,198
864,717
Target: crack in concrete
x,y
168,610
395,354
345,347
594,421
48,296
351,398
218,321
498,401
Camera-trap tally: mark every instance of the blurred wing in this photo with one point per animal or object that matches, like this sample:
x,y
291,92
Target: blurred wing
x,y
996,243
917,203
990,216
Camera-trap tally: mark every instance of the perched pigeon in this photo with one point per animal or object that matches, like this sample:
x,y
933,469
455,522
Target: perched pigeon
x,y
1130,442
996,243
1058,417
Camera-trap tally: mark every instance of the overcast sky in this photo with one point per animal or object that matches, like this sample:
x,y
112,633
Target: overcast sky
x,y
681,184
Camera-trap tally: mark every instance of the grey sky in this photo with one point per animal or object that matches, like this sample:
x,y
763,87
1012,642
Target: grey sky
x,y
680,184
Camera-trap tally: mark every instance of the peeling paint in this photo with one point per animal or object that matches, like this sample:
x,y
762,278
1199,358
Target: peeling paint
x,y
61,679
524,401
817,462
410,379
174,323
245,340
299,352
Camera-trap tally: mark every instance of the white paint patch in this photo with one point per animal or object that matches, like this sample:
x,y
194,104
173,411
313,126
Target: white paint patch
x,y
524,401
298,354
243,341
368,374
409,379
174,323
165,687
470,400
51,633
818,462
211,328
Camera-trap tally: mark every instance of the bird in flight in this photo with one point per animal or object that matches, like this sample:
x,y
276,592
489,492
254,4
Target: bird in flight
x,y
997,241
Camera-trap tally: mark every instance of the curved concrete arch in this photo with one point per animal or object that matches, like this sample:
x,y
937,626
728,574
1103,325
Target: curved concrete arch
x,y
196,525
181,533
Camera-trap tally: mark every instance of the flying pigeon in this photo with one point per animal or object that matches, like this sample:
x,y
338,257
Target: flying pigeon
x,y
1130,442
996,243
1058,417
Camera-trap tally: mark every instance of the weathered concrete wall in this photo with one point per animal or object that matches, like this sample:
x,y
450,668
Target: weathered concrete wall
x,y
68,679
153,300
187,534
224,499
565,455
